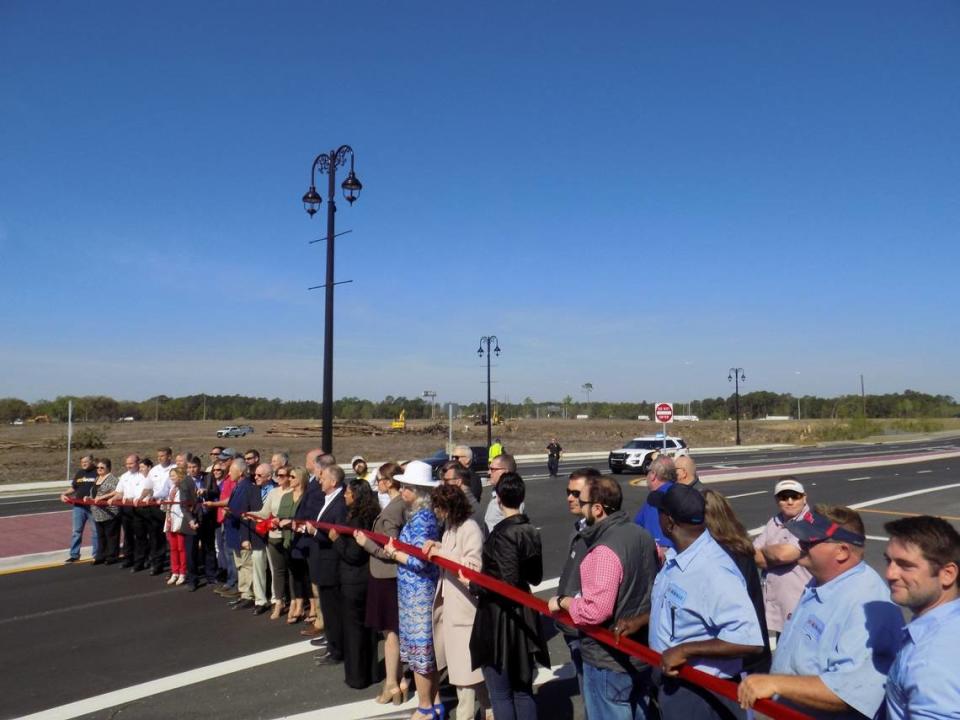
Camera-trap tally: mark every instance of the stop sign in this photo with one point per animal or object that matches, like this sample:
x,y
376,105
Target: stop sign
x,y
663,412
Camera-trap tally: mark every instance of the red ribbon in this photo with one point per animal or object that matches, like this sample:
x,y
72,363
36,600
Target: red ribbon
x,y
715,685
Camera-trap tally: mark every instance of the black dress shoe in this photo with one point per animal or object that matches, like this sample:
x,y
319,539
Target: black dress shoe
x,y
320,642
127,564
71,560
97,562
327,659
110,562
243,605
261,609
137,568
193,587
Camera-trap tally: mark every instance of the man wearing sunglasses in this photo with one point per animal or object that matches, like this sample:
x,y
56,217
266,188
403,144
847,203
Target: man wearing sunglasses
x,y
833,656
615,578
777,552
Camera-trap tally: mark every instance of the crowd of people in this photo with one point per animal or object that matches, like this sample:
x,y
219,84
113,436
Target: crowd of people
x,y
794,614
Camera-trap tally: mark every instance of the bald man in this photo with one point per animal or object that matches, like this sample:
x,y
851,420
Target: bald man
x,y
687,472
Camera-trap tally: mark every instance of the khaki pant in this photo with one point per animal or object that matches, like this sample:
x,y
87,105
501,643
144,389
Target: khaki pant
x,y
243,559
260,576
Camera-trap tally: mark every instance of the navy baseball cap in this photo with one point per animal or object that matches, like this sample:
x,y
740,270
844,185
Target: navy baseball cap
x,y
814,527
681,502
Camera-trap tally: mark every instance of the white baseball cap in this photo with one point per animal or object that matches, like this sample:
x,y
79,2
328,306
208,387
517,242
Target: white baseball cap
x,y
792,485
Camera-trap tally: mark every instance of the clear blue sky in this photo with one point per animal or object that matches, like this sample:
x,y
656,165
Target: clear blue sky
x,y
638,195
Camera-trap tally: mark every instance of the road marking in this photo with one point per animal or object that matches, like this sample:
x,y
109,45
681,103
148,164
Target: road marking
x,y
550,584
865,477
173,682
912,493
907,514
923,472
881,538
369,709
84,606
757,492
36,514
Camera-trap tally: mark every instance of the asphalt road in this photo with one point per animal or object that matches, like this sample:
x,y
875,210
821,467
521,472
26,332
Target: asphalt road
x,y
80,631
50,501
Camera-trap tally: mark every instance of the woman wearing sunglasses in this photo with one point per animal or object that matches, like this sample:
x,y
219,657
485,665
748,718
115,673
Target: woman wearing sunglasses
x,y
107,517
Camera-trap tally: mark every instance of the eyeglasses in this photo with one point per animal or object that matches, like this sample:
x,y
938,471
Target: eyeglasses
x,y
218,470
785,496
283,474
573,493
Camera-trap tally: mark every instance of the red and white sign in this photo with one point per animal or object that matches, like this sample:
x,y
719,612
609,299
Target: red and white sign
x,y
663,412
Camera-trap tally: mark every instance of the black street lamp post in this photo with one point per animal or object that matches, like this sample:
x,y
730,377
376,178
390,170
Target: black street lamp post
x,y
737,376
328,163
488,339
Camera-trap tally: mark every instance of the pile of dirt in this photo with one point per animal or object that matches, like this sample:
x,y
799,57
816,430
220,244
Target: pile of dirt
x,y
341,428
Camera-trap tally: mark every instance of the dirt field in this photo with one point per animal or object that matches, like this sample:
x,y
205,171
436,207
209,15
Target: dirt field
x,y
30,452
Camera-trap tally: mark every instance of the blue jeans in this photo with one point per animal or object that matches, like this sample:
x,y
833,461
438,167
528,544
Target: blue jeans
x,y
226,560
573,645
81,516
680,700
616,695
508,703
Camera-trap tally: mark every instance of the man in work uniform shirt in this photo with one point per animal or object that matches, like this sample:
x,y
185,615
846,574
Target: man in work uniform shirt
x,y
835,650
700,612
922,557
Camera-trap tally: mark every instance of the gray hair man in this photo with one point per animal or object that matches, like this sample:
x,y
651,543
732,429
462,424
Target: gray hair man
x,y
463,454
503,463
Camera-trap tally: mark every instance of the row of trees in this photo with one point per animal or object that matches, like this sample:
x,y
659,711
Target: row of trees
x,y
757,404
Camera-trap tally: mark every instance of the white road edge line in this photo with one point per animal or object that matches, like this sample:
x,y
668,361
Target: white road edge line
x,y
865,477
369,709
757,492
923,472
171,682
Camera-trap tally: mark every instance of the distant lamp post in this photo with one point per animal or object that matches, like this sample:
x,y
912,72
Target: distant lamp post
x,y
489,340
328,163
736,375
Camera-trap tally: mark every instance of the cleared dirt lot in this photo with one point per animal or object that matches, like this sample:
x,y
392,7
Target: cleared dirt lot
x,y
31,453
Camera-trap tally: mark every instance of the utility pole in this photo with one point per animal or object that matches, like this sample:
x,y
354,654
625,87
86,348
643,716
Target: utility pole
x,y
863,397
204,407
156,410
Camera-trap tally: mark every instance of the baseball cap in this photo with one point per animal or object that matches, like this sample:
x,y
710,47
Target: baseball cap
x,y
681,502
789,484
357,458
227,454
814,527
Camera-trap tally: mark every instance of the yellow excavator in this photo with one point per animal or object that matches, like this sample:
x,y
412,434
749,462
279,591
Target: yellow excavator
x,y
401,422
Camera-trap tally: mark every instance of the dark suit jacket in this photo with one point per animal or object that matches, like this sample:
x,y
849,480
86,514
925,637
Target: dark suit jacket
x,y
324,559
244,498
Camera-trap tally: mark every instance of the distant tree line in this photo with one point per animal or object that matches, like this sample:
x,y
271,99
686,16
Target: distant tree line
x,y
753,405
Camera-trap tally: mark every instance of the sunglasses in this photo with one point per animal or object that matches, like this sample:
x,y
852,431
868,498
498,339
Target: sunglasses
x,y
807,544
784,496
218,469
283,474
574,493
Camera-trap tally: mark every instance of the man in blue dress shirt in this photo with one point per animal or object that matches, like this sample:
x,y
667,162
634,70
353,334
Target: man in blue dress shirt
x,y
700,612
922,557
832,658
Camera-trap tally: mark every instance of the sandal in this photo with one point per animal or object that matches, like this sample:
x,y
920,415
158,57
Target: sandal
x,y
421,713
388,695
294,619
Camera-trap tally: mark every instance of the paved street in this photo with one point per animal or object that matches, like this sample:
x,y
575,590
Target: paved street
x,y
82,631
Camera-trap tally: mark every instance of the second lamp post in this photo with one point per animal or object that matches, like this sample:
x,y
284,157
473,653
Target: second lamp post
x,y
328,163
737,376
488,340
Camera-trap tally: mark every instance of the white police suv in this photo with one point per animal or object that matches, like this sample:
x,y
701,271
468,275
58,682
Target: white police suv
x,y
637,454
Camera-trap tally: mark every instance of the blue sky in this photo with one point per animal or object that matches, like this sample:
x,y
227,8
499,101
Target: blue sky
x,y
638,195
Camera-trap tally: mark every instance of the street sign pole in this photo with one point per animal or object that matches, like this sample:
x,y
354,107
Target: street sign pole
x,y
663,412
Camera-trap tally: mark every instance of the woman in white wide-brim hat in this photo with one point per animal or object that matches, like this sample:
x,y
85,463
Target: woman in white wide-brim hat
x,y
417,585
